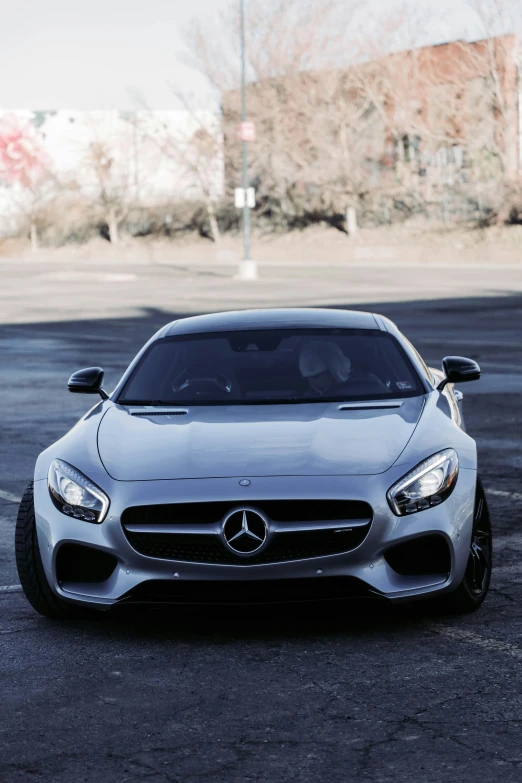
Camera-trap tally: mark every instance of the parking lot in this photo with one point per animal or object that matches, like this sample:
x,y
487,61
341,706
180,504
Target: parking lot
x,y
344,693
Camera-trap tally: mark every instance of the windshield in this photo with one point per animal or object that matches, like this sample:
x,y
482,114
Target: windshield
x,y
273,366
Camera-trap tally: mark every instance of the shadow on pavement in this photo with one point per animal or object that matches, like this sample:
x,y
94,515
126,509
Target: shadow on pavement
x,y
223,624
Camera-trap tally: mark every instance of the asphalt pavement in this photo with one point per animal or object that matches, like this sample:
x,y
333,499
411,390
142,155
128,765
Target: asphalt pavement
x,y
319,693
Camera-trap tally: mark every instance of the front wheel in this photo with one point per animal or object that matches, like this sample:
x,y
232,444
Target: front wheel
x,y
29,564
473,589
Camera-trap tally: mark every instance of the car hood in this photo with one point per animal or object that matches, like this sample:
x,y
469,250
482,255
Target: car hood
x,y
316,439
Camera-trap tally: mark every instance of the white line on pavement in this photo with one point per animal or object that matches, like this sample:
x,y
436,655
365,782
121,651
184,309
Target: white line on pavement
x,y
504,494
9,496
10,588
494,645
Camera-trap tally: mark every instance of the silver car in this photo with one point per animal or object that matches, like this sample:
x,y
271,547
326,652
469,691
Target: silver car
x,y
259,456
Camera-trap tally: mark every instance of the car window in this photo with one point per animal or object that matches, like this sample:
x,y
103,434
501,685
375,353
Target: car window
x,y
272,366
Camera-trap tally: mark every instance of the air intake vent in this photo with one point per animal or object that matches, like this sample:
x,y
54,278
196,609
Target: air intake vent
x,y
372,407
147,414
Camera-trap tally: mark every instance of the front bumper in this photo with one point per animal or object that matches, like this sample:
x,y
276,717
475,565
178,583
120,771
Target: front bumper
x,y
367,564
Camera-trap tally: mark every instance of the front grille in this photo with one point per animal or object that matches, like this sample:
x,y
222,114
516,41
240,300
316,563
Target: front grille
x,y
209,549
283,546
270,591
278,510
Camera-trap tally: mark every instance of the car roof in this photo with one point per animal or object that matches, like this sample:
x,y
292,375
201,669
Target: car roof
x,y
300,318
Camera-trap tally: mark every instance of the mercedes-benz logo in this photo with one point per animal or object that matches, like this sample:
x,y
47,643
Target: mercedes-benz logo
x,y
245,532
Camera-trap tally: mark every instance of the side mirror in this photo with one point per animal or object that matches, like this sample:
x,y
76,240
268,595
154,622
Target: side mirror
x,y
457,369
88,381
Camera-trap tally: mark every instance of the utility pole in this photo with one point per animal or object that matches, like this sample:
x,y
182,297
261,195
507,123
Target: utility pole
x,y
247,267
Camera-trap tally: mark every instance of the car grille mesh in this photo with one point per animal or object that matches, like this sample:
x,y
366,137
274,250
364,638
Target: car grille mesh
x,y
283,546
278,510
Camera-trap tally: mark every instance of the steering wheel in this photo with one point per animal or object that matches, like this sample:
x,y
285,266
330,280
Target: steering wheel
x,y
202,385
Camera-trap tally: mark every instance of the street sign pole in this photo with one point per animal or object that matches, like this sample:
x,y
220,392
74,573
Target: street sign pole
x,y
247,267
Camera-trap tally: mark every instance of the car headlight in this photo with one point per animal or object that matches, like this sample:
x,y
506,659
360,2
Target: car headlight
x,y
427,485
74,495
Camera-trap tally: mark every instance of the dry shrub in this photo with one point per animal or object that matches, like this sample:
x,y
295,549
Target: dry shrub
x,y
176,218
71,219
67,219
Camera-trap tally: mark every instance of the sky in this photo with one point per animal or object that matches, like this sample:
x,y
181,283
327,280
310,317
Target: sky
x,y
100,54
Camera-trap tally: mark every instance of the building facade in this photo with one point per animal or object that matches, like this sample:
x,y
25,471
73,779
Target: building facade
x,y
421,126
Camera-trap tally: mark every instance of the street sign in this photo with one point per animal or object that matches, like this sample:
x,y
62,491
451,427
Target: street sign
x,y
239,198
246,131
244,198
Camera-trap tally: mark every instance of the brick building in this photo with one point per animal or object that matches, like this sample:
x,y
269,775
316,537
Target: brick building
x,y
425,121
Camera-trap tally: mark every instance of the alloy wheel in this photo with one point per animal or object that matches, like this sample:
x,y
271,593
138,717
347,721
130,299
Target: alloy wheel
x,y
478,570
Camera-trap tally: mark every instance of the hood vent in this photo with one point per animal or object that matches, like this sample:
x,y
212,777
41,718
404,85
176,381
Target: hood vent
x,y
147,414
372,406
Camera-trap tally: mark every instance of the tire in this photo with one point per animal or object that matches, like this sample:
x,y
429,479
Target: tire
x,y
29,564
473,589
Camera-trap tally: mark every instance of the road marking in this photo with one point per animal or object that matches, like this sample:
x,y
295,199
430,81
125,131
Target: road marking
x,y
10,588
9,496
87,277
504,494
494,645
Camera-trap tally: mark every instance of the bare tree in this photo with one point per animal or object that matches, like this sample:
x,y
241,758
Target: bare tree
x,y
452,110
33,203
112,188
345,116
109,170
26,166
203,150
494,63
295,53
193,149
